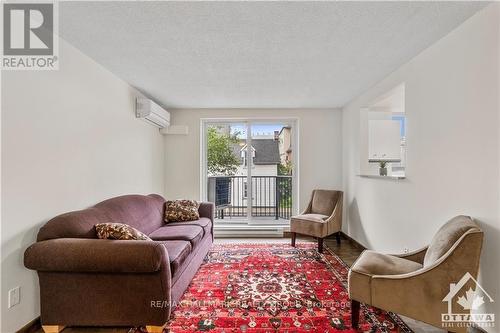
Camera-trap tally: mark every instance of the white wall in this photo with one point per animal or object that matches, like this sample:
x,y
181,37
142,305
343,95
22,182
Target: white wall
x,y
69,139
320,149
452,108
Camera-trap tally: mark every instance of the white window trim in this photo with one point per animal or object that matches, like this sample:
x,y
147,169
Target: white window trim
x,y
293,121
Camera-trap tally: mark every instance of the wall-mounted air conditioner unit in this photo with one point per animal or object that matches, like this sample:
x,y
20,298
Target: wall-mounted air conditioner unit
x,y
152,112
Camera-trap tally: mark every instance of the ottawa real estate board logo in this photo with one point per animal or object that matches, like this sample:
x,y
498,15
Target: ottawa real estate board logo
x,y
30,39
466,300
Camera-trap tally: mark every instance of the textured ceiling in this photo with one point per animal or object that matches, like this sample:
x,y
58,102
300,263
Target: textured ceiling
x,y
256,54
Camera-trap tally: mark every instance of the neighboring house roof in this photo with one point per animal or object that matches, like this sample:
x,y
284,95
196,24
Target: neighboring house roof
x,y
266,151
285,127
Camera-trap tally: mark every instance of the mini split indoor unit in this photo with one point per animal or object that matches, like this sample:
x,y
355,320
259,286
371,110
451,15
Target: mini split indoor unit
x,y
153,113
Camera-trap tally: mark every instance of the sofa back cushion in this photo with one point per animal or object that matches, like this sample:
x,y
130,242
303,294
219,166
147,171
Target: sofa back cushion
x,y
447,236
143,212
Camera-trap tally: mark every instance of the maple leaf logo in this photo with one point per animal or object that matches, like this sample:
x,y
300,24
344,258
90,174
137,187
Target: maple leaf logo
x,y
470,301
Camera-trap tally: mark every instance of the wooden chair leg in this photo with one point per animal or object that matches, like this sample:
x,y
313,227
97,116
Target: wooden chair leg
x,y
294,236
320,245
338,238
354,314
154,329
52,328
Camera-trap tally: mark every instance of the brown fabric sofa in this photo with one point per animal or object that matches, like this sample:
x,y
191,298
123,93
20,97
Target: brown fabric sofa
x,y
415,284
85,281
321,218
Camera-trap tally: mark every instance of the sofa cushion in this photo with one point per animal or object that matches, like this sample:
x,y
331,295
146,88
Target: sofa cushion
x,y
203,222
178,251
181,210
119,231
191,233
143,212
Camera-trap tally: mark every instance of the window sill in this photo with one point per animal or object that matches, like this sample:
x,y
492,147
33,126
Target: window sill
x,y
383,177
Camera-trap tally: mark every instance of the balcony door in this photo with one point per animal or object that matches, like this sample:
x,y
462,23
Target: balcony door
x,y
248,170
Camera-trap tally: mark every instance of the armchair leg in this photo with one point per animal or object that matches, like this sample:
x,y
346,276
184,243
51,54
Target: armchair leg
x,y
52,328
320,245
354,314
294,236
338,238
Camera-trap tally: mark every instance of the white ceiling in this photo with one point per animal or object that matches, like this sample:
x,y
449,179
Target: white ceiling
x,y
256,54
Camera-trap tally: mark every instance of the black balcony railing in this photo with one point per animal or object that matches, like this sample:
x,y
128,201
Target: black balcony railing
x,y
271,196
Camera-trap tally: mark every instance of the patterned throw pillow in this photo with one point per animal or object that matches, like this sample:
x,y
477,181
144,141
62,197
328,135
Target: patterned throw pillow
x,y
119,231
181,210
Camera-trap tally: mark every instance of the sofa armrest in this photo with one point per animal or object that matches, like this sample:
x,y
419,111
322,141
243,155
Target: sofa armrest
x,y
207,209
96,255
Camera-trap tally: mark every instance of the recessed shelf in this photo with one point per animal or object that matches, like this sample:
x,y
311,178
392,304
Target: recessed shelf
x,y
383,177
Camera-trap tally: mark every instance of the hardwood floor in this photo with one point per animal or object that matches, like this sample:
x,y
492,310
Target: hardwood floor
x,y
347,250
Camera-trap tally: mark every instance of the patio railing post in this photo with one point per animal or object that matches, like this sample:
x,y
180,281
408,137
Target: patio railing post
x,y
276,198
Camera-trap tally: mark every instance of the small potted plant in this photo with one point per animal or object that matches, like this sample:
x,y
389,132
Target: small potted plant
x,y
382,170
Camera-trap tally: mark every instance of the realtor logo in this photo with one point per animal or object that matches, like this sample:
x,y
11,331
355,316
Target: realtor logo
x,y
29,40
464,305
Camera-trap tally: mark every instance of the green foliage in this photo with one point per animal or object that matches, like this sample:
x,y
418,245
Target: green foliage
x,y
221,159
383,164
284,187
285,184
286,201
285,169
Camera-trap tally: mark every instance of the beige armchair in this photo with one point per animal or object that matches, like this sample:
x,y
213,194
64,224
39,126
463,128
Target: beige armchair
x,y
415,284
321,218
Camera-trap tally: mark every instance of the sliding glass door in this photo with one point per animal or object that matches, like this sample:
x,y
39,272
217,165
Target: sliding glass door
x,y
248,170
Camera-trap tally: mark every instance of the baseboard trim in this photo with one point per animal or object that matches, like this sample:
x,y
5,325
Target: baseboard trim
x,y
33,326
228,230
353,241
287,234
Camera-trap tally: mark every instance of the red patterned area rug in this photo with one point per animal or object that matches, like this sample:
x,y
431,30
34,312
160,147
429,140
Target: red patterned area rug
x,y
273,288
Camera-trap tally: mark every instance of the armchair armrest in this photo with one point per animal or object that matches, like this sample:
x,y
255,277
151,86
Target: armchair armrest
x,y
337,211
96,255
415,256
207,209
432,282
335,219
